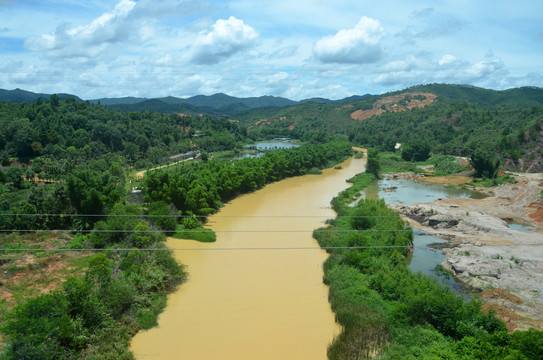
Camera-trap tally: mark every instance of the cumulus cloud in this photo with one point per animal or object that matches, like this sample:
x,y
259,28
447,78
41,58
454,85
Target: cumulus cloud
x,y
484,68
358,45
226,38
87,40
423,68
447,59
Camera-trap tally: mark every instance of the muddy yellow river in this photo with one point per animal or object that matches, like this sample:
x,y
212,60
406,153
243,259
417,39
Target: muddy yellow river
x,y
255,298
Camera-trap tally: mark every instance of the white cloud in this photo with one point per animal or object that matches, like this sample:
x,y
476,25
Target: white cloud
x,y
153,47
226,38
484,68
358,45
447,59
87,40
423,68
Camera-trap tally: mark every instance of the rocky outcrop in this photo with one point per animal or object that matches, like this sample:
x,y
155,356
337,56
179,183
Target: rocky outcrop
x,y
485,252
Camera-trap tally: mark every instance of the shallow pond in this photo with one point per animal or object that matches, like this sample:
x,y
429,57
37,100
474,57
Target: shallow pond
x,y
259,148
406,192
522,227
272,145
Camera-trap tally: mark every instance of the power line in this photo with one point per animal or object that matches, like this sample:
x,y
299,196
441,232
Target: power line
x,y
203,231
201,216
219,249
242,248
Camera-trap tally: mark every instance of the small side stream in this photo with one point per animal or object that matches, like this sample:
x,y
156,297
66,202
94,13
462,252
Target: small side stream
x,y
426,255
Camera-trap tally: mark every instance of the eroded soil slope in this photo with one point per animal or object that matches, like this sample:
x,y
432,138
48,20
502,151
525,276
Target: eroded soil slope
x,y
396,103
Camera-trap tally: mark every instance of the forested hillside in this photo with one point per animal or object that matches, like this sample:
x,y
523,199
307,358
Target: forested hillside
x,y
67,183
458,120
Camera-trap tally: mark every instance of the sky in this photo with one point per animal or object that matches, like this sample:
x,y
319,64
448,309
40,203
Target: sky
x,y
291,48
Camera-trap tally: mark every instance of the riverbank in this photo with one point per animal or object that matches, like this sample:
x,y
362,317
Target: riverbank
x,y
257,292
505,263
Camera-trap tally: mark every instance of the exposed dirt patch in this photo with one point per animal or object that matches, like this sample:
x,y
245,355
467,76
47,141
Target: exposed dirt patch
x,y
348,106
501,294
366,114
18,276
25,274
537,211
6,295
266,121
455,179
449,179
396,103
508,316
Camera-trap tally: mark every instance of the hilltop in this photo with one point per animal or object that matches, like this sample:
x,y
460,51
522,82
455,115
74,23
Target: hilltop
x,y
450,119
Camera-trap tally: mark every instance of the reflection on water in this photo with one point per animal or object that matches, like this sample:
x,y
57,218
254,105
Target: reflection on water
x,y
260,147
406,192
272,145
425,259
254,304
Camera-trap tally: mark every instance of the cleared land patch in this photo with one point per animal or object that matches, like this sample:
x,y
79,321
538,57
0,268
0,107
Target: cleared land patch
x,y
396,103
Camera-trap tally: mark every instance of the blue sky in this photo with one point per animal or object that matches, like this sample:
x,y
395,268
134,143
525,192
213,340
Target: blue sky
x,y
296,49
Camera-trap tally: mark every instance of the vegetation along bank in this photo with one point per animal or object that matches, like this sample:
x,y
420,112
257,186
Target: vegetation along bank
x,y
387,310
66,185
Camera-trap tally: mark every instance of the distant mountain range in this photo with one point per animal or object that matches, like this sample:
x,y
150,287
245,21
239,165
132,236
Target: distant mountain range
x,y
21,96
222,104
217,103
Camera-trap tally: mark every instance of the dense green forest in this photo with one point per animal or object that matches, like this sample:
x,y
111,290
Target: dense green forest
x,y
68,165
200,189
87,150
506,124
86,153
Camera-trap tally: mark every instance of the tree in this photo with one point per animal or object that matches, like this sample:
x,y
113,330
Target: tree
x,y
4,158
416,150
372,166
15,177
40,328
161,216
485,165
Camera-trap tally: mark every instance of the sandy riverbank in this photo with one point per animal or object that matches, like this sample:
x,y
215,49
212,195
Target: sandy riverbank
x,y
486,253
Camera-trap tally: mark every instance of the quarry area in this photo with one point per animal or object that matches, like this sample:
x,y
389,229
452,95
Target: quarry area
x,y
495,245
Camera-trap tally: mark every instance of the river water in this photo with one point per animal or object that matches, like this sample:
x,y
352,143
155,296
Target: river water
x,y
250,295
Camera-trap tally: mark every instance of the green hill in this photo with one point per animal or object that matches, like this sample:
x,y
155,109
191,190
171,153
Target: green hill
x,y
22,96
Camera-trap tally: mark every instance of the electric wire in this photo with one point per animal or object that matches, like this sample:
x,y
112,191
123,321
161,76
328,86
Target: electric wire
x,y
235,248
201,216
216,249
